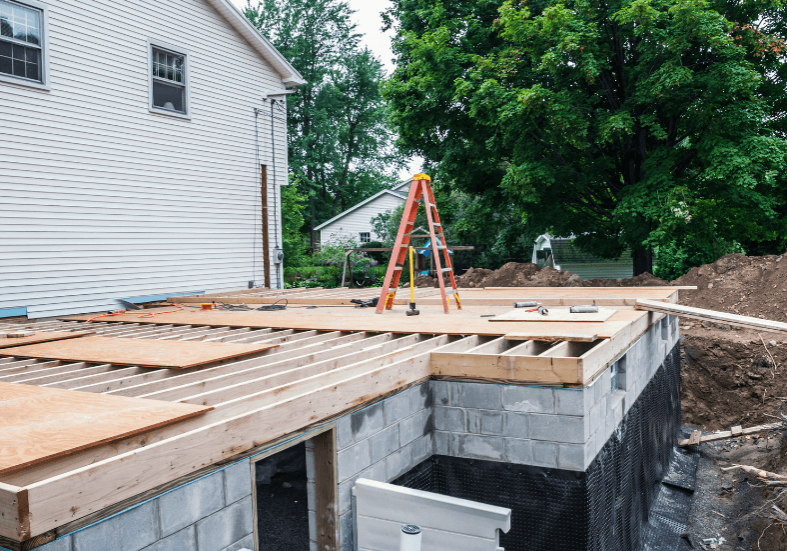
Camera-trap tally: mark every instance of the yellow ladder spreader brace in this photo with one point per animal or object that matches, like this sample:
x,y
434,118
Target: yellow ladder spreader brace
x,y
421,189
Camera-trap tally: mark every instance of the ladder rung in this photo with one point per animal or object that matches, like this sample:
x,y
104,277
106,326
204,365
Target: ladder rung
x,y
437,224
398,268
447,269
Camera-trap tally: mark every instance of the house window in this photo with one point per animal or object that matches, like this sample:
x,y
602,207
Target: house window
x,y
366,237
168,81
21,41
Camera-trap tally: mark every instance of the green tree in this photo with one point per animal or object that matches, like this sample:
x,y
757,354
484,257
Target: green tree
x,y
628,123
340,142
292,206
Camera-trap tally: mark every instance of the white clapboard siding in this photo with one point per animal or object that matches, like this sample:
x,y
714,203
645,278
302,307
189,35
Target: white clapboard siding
x,y
447,523
101,199
348,225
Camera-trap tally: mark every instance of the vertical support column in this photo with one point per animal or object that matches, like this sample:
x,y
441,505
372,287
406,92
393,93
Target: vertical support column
x,y
326,491
266,246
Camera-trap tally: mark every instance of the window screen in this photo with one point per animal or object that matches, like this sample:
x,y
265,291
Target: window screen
x,y
169,80
20,41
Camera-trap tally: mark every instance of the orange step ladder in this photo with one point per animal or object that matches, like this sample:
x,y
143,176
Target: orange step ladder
x,y
420,190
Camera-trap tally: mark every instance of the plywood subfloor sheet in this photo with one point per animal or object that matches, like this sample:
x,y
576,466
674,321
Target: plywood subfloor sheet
x,y
432,320
137,352
42,336
40,424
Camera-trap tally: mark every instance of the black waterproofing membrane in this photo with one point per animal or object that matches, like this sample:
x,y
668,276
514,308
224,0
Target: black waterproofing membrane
x,y
605,508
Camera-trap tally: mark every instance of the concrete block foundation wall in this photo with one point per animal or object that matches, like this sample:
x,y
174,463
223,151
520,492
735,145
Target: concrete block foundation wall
x,y
213,513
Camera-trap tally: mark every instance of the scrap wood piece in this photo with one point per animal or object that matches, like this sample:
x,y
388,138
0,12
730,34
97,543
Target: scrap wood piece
x,y
701,314
41,336
555,314
137,352
722,435
757,472
41,423
551,337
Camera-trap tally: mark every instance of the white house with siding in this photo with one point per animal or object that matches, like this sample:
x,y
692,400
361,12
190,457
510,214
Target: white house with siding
x,y
139,143
560,253
355,223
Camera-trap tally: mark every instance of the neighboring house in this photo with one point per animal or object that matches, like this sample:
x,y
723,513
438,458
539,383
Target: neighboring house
x,y
356,223
561,253
136,152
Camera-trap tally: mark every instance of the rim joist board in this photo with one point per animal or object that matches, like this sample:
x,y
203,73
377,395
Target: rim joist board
x,y
497,296
137,352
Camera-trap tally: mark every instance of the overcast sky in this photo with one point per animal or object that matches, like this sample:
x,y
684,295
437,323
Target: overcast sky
x,y
367,16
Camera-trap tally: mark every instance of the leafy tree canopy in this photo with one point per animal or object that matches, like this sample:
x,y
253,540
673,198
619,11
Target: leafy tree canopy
x,y
340,141
650,124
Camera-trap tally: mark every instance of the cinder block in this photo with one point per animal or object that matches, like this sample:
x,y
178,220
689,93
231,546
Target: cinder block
x,y
344,433
609,425
445,443
571,401
311,495
517,425
353,460
600,440
420,397
312,526
415,426
346,533
60,544
237,480
397,408
398,463
617,413
606,381
519,451
346,489
563,428
474,446
245,543
367,421
485,421
441,392
572,456
184,539
129,531
528,399
477,396
188,504
544,454
384,443
423,449
229,525
450,419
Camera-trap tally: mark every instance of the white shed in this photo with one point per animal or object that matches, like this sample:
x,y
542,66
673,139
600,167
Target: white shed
x,y
139,143
561,254
355,224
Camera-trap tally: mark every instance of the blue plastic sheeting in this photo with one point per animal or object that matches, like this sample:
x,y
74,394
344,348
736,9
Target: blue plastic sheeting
x,y
11,313
428,244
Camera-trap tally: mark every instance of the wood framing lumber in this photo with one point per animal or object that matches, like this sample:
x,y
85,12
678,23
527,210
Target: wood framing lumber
x,y
551,336
326,492
40,424
137,352
14,513
712,315
723,435
42,336
90,488
554,315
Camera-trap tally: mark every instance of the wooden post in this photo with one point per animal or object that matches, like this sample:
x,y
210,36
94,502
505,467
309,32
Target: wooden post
x,y
266,250
326,491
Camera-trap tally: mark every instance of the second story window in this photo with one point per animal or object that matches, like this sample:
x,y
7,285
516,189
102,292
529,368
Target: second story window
x,y
21,41
168,81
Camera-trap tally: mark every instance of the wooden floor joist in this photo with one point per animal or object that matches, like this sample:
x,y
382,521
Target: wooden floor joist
x,y
327,362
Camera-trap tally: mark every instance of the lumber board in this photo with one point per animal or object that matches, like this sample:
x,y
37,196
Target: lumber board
x,y
712,315
14,514
535,369
40,424
554,315
432,320
722,435
137,352
551,336
97,485
326,493
42,336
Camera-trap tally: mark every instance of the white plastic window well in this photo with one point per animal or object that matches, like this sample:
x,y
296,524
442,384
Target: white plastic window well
x,y
168,80
21,41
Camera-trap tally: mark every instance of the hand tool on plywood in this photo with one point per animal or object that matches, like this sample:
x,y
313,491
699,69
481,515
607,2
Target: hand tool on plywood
x,y
420,190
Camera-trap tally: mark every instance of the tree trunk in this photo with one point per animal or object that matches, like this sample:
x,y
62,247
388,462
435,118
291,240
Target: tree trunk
x,y
643,261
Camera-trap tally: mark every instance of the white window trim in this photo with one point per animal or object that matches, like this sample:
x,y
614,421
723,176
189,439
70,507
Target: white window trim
x,y
155,43
44,84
